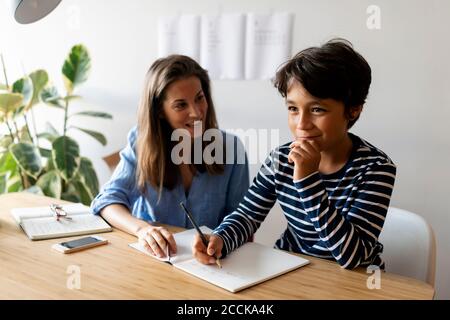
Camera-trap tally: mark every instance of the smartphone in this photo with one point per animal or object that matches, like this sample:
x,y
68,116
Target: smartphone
x,y
79,244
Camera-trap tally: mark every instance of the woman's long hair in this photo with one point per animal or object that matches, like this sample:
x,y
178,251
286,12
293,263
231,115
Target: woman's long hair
x,y
154,145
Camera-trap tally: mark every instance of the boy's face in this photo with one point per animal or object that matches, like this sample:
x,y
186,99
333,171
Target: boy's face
x,y
320,120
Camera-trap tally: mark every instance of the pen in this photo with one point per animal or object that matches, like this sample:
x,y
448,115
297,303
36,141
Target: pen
x,y
168,252
202,236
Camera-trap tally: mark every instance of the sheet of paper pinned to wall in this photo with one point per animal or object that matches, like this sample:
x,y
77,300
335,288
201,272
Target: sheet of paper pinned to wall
x,y
222,41
179,34
230,46
268,43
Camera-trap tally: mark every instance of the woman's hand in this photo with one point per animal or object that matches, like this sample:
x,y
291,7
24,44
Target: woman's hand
x,y
305,155
156,239
207,255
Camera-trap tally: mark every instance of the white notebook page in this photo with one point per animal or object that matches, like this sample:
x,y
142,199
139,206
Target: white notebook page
x,y
20,214
248,265
49,226
183,240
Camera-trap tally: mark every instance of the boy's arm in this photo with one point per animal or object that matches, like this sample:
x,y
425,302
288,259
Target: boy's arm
x,y
239,226
351,239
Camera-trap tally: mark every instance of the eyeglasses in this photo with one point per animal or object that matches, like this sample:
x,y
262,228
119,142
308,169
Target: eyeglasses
x,y
59,212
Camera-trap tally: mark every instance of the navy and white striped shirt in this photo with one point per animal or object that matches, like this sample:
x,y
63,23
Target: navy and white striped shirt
x,y
337,216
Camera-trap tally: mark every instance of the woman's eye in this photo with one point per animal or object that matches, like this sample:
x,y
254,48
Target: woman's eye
x,y
200,98
292,109
180,106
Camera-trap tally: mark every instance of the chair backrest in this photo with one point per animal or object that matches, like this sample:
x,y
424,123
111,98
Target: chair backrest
x,y
112,160
409,245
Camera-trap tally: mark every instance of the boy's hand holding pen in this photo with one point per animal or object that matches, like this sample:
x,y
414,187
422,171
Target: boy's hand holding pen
x,y
209,253
206,248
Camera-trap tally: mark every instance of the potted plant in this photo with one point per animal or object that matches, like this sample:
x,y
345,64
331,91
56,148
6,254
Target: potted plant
x,y
25,164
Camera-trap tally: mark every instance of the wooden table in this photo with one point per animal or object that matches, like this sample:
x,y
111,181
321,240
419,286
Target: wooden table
x,y
32,270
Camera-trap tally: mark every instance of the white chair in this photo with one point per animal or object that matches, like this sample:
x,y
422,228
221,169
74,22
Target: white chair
x,y
409,245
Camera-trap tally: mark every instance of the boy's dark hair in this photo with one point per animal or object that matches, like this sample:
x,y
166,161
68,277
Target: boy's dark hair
x,y
333,70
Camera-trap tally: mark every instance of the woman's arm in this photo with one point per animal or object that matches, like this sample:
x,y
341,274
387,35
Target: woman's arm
x,y
152,238
119,194
122,186
120,217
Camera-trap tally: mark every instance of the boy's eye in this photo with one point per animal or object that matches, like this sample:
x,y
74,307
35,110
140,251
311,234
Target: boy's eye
x,y
292,109
317,110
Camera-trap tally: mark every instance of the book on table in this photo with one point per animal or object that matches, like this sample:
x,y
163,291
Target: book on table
x,y
250,264
40,222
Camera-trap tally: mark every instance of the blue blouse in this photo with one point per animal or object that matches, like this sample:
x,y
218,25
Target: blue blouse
x,y
210,197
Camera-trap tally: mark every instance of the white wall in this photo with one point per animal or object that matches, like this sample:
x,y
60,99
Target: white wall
x,y
406,115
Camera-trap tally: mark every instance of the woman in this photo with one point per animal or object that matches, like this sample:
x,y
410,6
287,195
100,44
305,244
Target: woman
x,y
150,181
333,186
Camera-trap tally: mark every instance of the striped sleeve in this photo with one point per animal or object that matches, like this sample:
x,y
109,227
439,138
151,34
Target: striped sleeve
x,y
350,236
239,226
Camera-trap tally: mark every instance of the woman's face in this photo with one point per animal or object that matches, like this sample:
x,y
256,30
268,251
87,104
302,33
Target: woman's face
x,y
185,106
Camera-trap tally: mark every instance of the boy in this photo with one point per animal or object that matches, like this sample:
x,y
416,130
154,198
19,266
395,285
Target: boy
x,y
334,187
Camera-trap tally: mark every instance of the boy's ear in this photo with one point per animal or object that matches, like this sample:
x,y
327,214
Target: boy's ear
x,y
354,112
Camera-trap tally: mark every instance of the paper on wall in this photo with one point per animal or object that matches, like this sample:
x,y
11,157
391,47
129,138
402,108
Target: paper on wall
x,y
268,43
179,35
222,41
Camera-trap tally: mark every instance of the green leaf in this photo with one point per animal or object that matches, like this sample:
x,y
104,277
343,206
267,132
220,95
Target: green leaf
x,y
50,183
32,180
48,136
95,114
71,194
50,165
83,192
25,87
50,96
5,141
7,163
71,97
27,157
3,180
24,136
94,134
9,102
40,80
46,153
18,111
76,67
66,156
14,184
88,177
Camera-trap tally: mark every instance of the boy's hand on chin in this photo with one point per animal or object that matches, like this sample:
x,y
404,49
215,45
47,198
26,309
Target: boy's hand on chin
x,y
305,154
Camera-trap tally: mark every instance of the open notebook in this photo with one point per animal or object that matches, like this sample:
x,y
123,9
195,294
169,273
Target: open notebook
x,y
248,265
39,222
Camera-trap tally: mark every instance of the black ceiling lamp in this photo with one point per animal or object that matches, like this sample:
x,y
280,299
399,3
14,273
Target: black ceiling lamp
x,y
29,11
